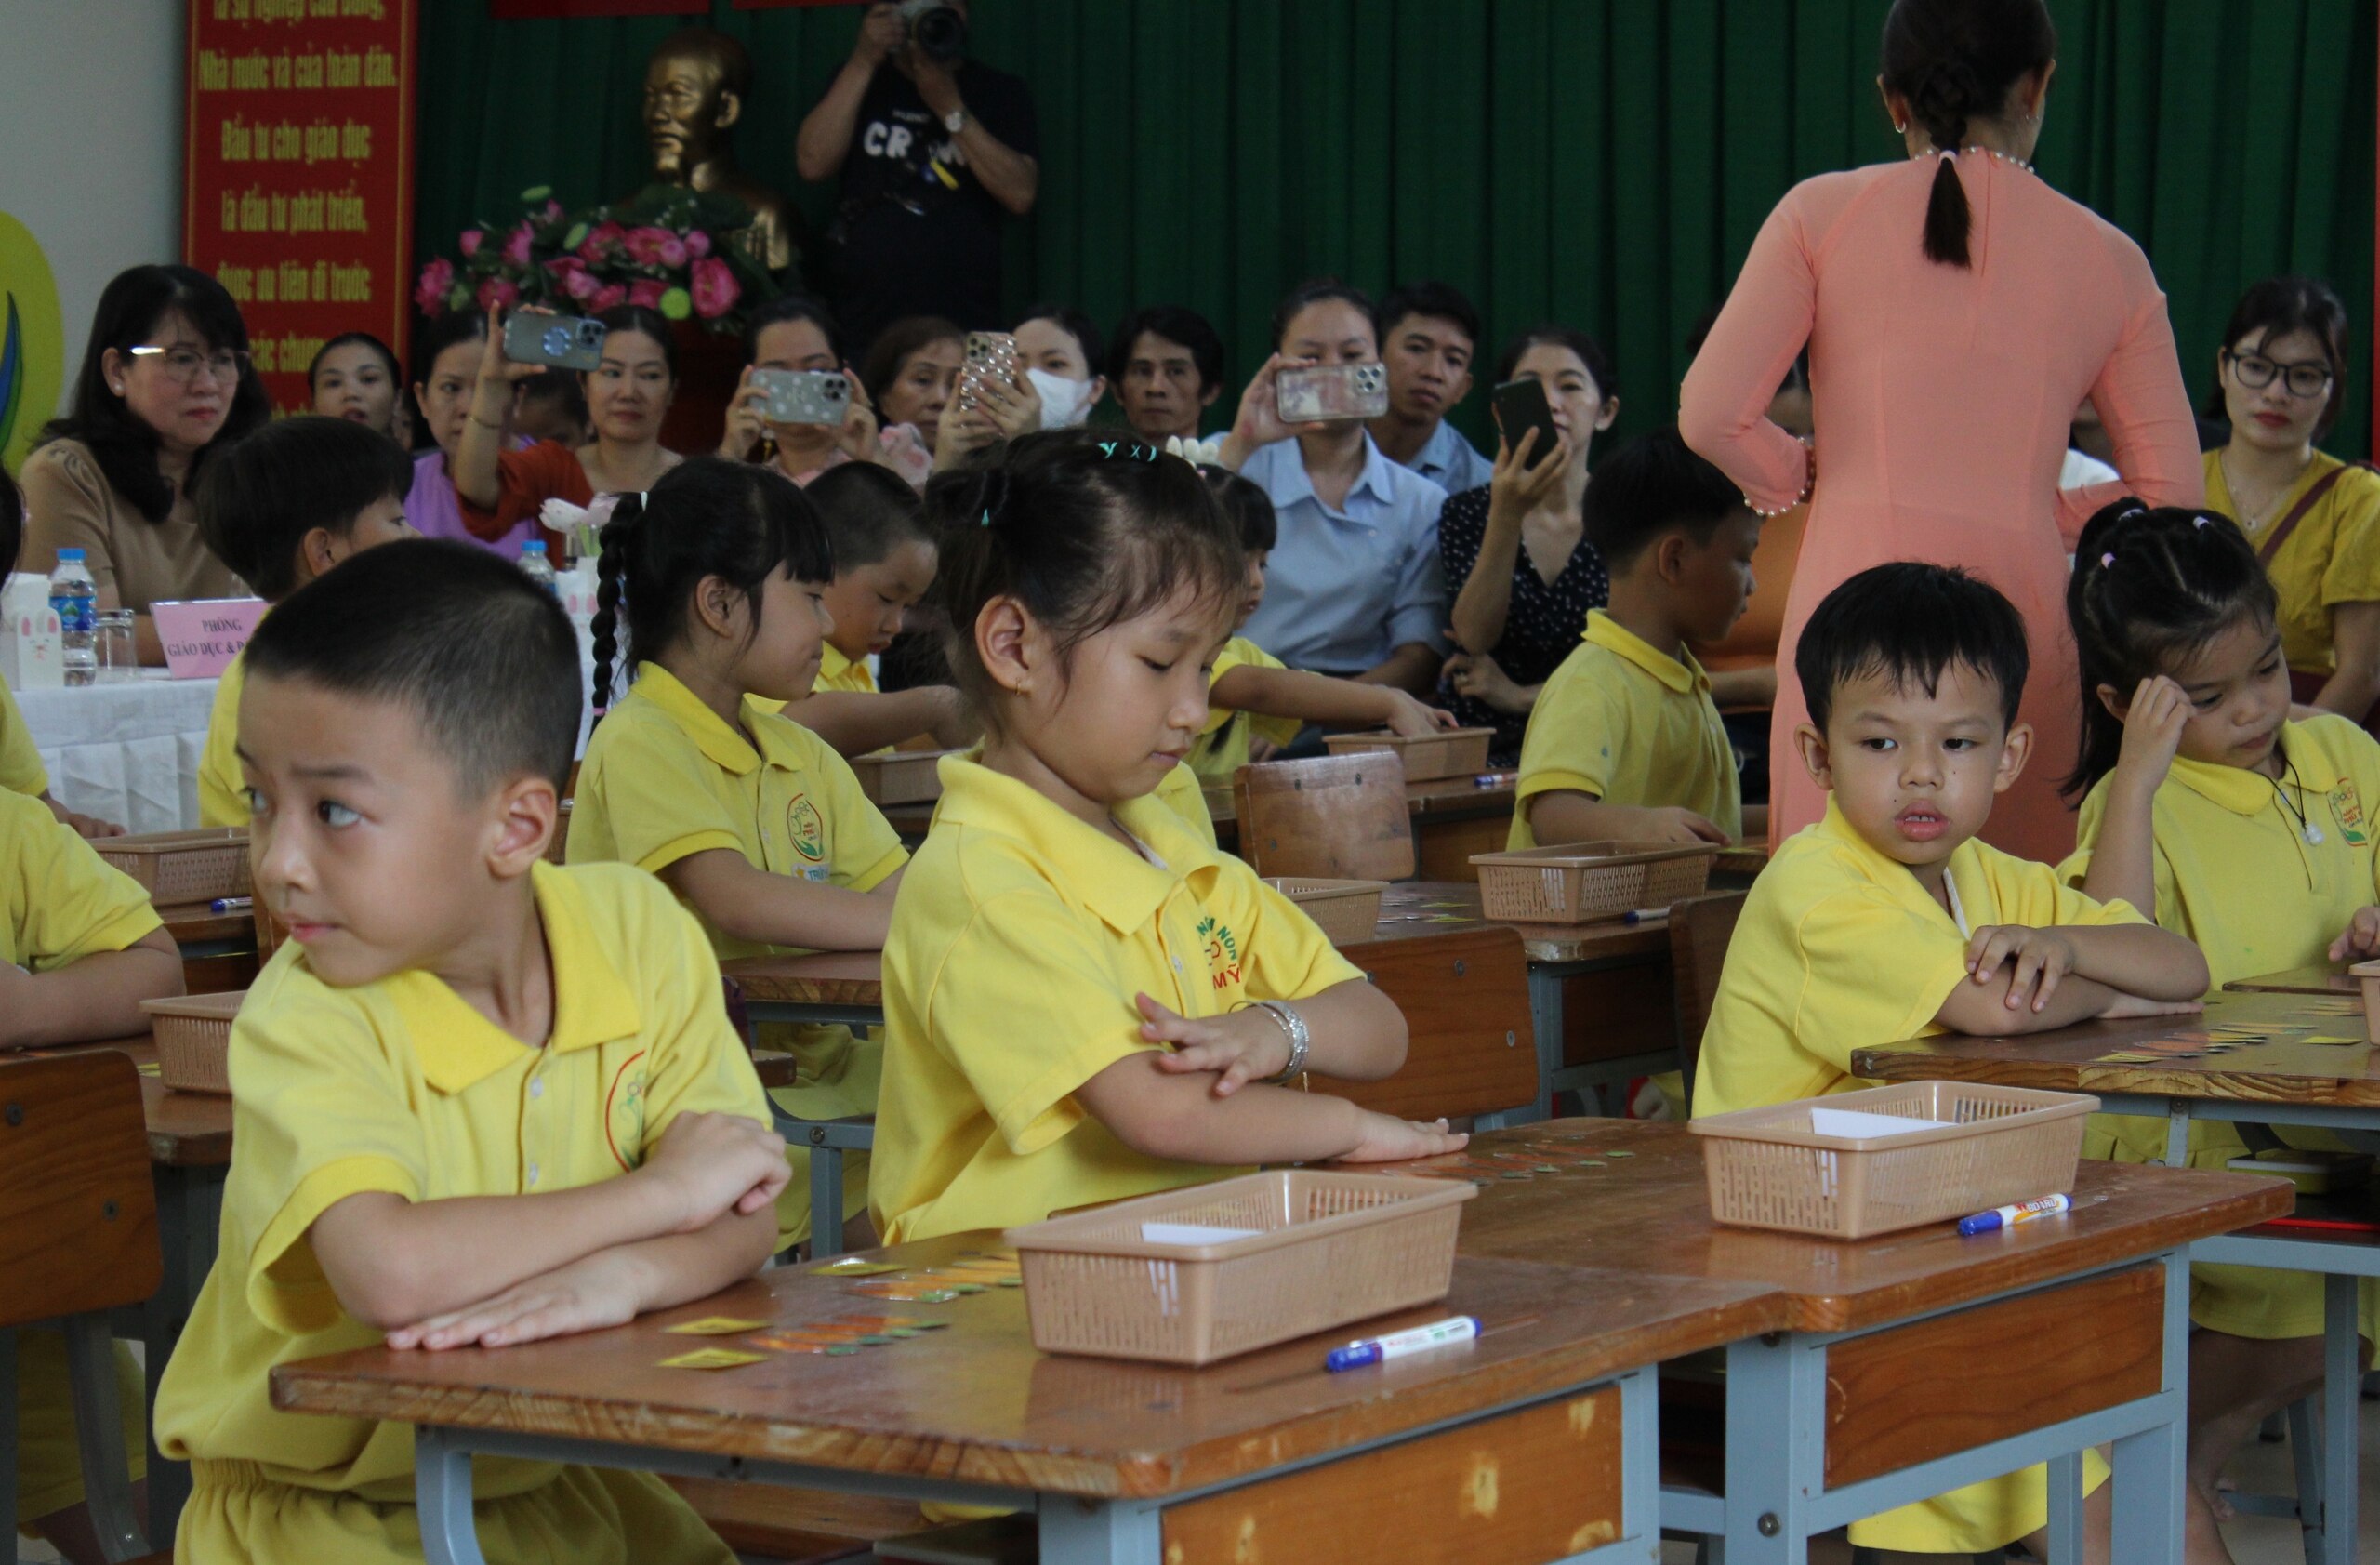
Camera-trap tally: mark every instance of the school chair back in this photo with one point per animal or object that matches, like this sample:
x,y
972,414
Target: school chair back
x,y
1472,1047
1333,818
1699,930
78,1237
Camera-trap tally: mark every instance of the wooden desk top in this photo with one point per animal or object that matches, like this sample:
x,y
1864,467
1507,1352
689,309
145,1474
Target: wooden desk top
x,y
975,1402
1441,799
1415,908
2322,979
2281,1068
827,978
1651,1210
194,923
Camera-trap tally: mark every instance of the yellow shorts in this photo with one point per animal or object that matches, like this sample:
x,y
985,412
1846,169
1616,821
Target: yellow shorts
x,y
838,1077
1978,1519
49,1466
588,1516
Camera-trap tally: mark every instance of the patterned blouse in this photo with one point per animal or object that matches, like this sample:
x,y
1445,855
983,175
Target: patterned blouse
x,y
1541,627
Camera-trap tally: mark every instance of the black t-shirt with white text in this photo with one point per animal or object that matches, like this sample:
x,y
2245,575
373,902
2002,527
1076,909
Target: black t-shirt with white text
x,y
915,232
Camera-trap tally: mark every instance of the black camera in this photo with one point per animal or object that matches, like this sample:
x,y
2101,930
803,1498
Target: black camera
x,y
937,30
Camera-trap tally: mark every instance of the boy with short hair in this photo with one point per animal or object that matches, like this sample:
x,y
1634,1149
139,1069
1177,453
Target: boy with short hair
x,y
1254,698
481,1099
1625,744
1888,919
1429,339
280,508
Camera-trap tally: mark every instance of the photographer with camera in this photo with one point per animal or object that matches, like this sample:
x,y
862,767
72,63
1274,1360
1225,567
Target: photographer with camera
x,y
932,149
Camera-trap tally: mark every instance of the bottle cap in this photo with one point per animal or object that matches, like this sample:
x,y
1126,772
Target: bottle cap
x,y
534,546
70,554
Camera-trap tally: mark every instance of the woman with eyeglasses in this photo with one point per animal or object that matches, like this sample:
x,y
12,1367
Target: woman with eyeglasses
x,y
2281,379
165,381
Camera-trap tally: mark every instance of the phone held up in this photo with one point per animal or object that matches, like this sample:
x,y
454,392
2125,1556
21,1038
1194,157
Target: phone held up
x,y
804,396
561,342
1322,393
1521,406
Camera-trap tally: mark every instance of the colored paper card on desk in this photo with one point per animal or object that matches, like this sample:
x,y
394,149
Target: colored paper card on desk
x,y
907,1291
2332,1039
1191,1233
1860,1124
852,1265
200,636
714,1326
713,1359
2128,1058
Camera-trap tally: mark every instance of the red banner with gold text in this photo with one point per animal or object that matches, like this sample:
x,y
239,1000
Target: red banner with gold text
x,y
298,188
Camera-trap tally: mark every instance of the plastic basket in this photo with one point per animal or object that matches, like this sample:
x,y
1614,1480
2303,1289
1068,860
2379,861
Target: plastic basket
x,y
1457,753
1346,911
2369,973
900,776
1768,1169
179,867
1579,882
194,1041
1329,1248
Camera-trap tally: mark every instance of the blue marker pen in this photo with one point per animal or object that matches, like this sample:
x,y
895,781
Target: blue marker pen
x,y
1396,1344
2009,1216
230,905
1644,915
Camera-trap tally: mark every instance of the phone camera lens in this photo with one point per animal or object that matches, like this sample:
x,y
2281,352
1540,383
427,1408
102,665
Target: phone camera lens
x,y
557,340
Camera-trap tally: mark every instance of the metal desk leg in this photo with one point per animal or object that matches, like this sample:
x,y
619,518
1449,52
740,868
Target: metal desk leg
x,y
1776,1402
2065,1509
1545,1019
1097,1532
826,1197
2149,1466
189,1217
8,1421
443,1497
2341,1398
2177,1133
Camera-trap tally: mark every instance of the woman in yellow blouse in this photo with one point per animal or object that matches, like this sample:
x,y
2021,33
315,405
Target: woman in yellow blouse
x,y
2315,521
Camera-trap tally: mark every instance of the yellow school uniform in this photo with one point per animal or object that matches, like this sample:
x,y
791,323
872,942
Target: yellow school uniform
x,y
838,672
1222,744
1019,942
2263,875
664,777
1183,794
222,795
400,1086
1629,724
20,767
1802,988
2330,557
59,903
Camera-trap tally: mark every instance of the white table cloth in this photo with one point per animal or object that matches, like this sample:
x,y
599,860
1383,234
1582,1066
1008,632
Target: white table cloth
x,y
125,753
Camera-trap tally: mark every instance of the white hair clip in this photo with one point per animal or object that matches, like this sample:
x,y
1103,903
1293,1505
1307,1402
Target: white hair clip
x,y
2107,559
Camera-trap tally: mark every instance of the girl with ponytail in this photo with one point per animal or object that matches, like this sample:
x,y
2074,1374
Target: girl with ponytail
x,y
1956,310
720,573
2252,833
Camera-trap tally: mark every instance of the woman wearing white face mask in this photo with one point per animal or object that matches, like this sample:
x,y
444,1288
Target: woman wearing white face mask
x,y
1058,345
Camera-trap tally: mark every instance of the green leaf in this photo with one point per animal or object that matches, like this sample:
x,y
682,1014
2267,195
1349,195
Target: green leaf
x,y
676,304
576,236
536,193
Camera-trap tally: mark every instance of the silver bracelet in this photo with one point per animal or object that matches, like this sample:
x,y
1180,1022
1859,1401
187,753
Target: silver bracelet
x,y
1301,1041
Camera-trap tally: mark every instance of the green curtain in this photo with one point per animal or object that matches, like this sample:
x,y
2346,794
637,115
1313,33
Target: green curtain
x,y
1603,163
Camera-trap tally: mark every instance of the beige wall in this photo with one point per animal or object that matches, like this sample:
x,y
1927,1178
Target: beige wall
x,y
91,140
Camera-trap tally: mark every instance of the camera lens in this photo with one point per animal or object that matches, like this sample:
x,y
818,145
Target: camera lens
x,y
557,340
941,33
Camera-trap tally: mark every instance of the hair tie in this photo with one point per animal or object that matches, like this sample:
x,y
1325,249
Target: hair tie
x,y
2107,559
2200,521
1950,154
1129,451
994,496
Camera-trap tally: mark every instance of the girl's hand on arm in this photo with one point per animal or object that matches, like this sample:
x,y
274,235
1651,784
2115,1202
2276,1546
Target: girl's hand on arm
x,y
2360,941
1240,1046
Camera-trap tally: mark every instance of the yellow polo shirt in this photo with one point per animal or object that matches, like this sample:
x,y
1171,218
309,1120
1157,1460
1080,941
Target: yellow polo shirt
x,y
222,793
1629,725
1804,986
401,1086
58,900
1222,744
838,672
1019,942
20,767
2263,875
1181,792
2330,557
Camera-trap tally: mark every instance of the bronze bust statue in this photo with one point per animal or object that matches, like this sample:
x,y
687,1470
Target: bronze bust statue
x,y
696,87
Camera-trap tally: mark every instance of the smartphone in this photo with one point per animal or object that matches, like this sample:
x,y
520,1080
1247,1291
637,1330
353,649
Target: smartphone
x,y
804,396
991,355
1319,393
1521,406
564,341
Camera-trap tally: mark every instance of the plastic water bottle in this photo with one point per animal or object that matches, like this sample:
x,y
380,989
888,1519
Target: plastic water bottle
x,y
537,567
72,597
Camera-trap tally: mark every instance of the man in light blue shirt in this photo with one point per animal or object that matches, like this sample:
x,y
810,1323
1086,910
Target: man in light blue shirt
x,y
1429,339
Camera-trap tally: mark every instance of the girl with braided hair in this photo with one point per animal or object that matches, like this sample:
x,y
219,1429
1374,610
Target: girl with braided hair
x,y
1957,310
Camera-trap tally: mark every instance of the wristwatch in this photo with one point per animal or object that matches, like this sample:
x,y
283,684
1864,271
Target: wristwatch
x,y
955,121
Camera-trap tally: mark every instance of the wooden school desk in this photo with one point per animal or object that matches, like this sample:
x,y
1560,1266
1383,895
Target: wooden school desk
x,y
2280,1080
218,949
1538,1441
1909,1364
2322,979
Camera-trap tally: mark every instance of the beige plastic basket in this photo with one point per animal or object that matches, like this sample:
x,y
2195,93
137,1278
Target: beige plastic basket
x,y
1457,753
179,867
1768,1169
900,776
1579,882
1347,911
194,1041
1329,1248
2369,972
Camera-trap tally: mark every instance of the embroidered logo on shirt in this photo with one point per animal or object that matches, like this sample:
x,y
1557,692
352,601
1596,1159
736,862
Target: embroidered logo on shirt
x,y
807,828
1222,951
624,1113
2347,810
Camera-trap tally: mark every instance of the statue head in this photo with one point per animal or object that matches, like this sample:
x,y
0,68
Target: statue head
x,y
695,87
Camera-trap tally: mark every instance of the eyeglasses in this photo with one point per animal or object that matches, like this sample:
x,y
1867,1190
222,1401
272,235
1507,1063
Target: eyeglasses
x,y
181,365
2255,372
